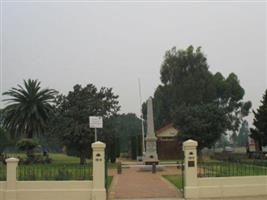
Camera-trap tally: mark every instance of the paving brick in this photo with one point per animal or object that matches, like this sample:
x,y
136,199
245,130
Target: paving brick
x,y
133,183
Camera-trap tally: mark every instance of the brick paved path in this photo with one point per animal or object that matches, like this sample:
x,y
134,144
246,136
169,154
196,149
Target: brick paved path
x,y
133,183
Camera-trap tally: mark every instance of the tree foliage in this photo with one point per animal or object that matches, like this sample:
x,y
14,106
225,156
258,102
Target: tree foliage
x,y
109,134
28,145
73,110
223,142
259,133
4,139
202,105
204,123
29,108
126,126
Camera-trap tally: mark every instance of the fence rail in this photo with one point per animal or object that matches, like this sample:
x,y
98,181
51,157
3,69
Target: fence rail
x,y
262,163
225,169
54,172
2,172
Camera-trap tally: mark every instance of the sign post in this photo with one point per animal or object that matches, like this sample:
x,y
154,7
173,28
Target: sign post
x,y
95,134
96,122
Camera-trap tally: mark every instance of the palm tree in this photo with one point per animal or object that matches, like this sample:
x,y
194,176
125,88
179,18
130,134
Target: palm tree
x,y
28,109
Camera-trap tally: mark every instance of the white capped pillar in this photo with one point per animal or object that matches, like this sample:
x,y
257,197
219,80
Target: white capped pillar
x,y
11,178
99,190
190,169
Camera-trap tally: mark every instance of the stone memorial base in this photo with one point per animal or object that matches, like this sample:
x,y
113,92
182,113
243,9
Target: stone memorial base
x,y
148,168
151,156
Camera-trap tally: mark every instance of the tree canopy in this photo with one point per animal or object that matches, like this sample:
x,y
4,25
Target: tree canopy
x,y
202,105
71,122
127,126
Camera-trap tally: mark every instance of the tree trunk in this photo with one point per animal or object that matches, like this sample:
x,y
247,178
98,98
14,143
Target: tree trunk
x,y
30,155
258,146
30,152
30,134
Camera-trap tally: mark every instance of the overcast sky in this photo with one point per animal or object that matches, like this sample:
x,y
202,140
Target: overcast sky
x,y
114,44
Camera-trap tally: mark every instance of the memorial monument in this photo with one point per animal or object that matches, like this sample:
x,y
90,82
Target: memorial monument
x,y
151,155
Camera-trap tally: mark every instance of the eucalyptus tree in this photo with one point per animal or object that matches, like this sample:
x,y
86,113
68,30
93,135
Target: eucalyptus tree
x,y
202,105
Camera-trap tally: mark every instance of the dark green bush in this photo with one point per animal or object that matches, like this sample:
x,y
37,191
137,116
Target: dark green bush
x,y
26,144
3,158
36,159
5,140
134,147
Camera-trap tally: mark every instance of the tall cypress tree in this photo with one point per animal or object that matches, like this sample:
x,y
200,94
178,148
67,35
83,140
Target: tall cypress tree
x,y
242,137
259,133
133,147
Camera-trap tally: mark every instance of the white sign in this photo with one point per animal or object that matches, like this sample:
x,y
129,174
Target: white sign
x,y
95,122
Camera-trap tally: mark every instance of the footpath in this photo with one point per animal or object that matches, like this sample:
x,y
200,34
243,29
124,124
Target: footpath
x,y
136,184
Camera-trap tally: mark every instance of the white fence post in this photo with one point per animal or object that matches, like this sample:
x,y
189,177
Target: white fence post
x,y
190,169
11,178
99,191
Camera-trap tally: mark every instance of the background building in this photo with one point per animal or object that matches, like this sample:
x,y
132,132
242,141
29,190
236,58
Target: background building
x,y
168,145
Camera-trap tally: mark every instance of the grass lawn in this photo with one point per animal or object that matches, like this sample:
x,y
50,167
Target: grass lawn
x,y
175,180
58,158
110,178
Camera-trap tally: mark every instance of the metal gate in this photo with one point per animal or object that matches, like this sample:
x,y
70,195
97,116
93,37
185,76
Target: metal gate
x,y
106,173
182,174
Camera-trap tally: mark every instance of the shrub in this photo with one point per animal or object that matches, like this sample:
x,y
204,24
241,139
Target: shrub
x,y
36,159
26,144
5,141
3,158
